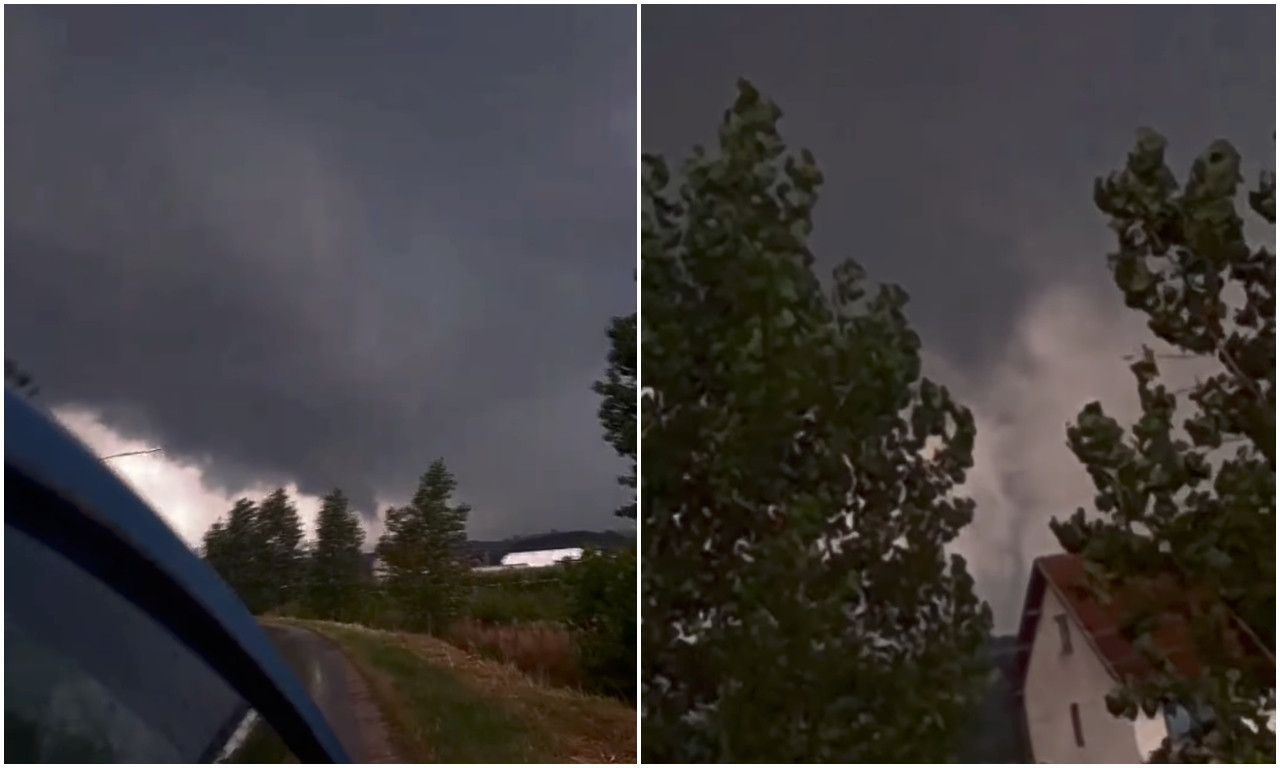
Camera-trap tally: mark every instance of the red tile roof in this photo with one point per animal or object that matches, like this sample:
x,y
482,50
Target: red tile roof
x,y
1065,575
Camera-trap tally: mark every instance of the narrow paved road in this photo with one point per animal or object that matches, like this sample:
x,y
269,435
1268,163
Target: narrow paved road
x,y
339,691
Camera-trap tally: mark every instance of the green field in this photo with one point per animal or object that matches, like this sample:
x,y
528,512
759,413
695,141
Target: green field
x,y
442,704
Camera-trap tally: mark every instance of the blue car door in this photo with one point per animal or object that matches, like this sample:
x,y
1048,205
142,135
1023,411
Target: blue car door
x,y
120,644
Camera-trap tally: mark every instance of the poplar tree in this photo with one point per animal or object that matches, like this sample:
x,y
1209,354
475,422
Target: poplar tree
x,y
798,494
1186,495
618,406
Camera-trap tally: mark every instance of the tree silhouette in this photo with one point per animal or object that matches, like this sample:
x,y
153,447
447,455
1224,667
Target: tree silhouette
x,y
798,484
1188,495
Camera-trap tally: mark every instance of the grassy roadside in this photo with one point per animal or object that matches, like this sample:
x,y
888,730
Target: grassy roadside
x,y
443,704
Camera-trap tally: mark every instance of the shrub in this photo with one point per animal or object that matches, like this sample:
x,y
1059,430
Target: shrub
x,y
602,607
500,604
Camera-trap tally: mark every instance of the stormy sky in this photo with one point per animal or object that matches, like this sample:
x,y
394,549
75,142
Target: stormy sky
x,y
959,147
321,247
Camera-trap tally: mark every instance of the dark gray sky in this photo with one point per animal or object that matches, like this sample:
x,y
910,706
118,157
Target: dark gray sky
x,y
959,147
327,245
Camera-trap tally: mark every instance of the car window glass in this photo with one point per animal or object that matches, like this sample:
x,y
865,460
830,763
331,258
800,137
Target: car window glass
x,y
90,677
255,741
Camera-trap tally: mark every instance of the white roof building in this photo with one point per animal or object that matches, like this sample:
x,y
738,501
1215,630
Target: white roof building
x,y
540,558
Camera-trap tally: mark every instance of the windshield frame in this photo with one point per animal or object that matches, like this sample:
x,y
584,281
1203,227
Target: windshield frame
x,y
64,497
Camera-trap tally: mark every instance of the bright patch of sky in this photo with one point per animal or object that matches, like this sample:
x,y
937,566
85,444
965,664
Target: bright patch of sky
x,y
178,491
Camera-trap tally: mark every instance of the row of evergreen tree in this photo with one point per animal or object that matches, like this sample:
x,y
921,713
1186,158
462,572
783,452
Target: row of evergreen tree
x,y
260,551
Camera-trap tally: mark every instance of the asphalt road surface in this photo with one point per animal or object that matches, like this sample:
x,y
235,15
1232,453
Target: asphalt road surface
x,y
338,690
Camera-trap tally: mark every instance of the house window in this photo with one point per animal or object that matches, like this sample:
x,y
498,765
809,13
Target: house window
x,y
1064,632
1075,725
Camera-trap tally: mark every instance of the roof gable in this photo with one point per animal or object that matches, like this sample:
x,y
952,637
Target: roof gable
x,y
1100,623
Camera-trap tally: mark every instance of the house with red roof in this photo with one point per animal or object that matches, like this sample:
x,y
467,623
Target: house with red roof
x,y
1071,654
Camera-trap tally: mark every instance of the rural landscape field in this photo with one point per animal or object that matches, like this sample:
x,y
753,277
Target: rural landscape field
x,y
414,659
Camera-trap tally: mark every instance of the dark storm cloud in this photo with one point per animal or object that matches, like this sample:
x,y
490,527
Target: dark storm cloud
x,y
959,147
945,132
329,245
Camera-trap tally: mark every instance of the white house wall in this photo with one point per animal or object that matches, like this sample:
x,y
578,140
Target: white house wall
x,y
1055,681
1150,733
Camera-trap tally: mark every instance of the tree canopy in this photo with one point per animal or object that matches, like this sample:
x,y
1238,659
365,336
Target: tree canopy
x,y
1188,491
279,535
258,551
618,390
335,566
422,552
798,487
234,550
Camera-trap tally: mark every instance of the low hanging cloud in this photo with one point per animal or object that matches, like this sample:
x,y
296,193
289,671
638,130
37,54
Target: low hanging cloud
x,y
964,174
1070,348
178,491
360,243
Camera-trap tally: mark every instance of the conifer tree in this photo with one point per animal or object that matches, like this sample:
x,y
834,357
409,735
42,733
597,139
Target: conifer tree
x,y
422,553
334,575
278,531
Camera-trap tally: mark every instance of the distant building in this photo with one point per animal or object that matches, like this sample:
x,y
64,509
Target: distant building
x,y
491,553
1071,654
540,558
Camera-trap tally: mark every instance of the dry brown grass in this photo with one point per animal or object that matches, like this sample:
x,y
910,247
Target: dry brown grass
x,y
577,727
544,651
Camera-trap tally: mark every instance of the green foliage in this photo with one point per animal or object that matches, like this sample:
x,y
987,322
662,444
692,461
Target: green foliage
x,y
602,607
376,608
258,551
433,714
236,553
521,596
618,409
422,553
602,586
798,484
506,606
493,602
1190,491
278,532
521,577
334,578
